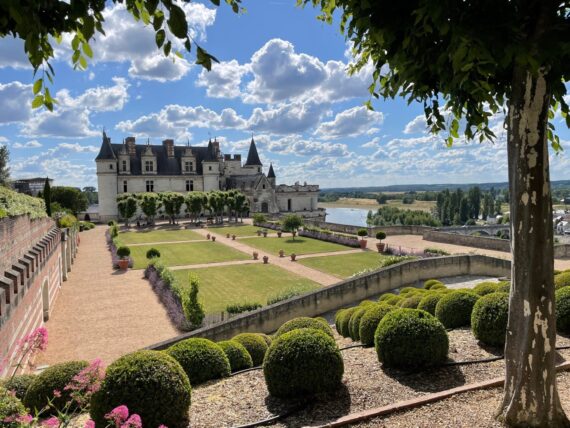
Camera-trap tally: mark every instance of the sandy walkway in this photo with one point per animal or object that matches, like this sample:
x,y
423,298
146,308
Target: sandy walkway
x,y
103,313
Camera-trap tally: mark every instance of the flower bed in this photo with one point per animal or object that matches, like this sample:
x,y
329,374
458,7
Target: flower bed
x,y
268,225
327,236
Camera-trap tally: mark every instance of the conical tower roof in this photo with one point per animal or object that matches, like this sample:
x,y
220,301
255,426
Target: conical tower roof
x,y
253,156
271,173
106,151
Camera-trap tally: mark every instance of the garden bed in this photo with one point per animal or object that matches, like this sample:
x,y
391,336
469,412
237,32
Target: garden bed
x,y
331,237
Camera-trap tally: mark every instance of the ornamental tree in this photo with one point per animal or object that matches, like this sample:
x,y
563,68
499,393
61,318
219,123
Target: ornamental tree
x,y
291,223
150,204
466,61
172,202
127,206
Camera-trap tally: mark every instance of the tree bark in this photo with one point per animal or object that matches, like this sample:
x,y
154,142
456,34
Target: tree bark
x,y
531,397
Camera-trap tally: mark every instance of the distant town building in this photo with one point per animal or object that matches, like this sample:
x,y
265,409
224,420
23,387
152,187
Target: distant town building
x,y
136,168
30,186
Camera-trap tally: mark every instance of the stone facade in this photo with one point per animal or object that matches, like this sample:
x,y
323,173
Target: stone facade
x,y
137,168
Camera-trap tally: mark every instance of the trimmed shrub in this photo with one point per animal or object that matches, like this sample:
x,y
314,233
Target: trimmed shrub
x,y
484,288
431,282
362,232
19,384
266,338
563,310
201,359
10,407
323,320
238,308
303,322
562,280
152,253
354,323
454,309
436,287
489,319
151,384
255,346
303,362
429,302
394,300
408,289
53,378
410,339
411,302
366,303
369,322
123,252
386,296
337,317
380,235
344,321
237,355
504,287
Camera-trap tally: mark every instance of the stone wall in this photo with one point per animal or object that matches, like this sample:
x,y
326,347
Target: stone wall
x,y
484,242
36,257
350,241
349,292
562,251
390,230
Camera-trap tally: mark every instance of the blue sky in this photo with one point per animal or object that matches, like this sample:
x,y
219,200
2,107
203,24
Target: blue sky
x,y
282,77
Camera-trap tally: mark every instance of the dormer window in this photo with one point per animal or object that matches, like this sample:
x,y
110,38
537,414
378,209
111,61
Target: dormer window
x,y
148,166
124,165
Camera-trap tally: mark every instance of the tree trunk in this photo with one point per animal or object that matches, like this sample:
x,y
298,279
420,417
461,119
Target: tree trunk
x,y
531,397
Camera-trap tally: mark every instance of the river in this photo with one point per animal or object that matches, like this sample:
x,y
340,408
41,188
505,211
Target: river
x,y
351,216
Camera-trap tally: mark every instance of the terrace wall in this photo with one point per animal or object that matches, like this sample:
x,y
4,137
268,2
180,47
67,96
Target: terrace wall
x,y
390,230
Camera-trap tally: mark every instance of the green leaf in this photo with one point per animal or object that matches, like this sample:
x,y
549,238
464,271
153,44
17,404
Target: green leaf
x,y
83,62
75,43
38,85
177,22
204,59
87,49
188,45
75,57
160,36
178,54
167,48
88,27
158,20
38,101
216,2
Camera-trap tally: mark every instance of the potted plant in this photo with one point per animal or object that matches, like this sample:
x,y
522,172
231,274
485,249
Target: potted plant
x,y
281,253
233,237
213,238
293,257
380,245
259,232
255,255
265,260
208,236
279,233
363,242
227,235
123,253
265,233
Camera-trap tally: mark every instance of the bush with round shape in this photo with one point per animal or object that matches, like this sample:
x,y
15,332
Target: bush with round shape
x,y
201,359
255,346
337,317
386,296
19,384
369,322
563,310
55,377
406,290
10,408
454,309
489,319
344,321
303,322
504,287
354,323
436,287
380,235
366,303
484,288
362,232
123,252
429,302
303,362
267,339
152,253
562,280
394,300
411,302
323,320
430,283
237,355
411,339
151,384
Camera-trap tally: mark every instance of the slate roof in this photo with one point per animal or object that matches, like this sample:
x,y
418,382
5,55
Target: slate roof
x,y
271,173
106,151
253,156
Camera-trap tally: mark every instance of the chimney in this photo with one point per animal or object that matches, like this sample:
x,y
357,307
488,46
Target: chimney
x,y
169,146
216,146
130,142
227,157
237,157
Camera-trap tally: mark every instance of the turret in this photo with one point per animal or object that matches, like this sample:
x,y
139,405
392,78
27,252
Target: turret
x,y
253,162
271,176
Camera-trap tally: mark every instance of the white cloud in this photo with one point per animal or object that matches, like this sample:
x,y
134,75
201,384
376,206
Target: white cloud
x,y
291,145
416,125
372,144
78,148
3,139
12,53
224,80
160,68
350,123
291,118
29,144
98,99
15,102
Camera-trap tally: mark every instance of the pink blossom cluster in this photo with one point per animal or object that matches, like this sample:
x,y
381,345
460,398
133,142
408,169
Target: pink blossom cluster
x,y
86,383
34,342
119,416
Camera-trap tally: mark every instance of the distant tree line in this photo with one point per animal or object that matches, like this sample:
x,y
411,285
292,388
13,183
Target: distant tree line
x,y
462,207
392,216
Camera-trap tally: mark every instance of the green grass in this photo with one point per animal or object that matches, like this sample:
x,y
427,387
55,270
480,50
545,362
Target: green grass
x,y
344,265
187,254
150,236
299,245
221,286
245,230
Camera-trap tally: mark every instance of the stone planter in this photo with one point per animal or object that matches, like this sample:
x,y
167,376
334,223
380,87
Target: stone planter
x,y
363,243
380,246
293,257
279,234
281,253
233,237
213,238
255,255
265,260
123,264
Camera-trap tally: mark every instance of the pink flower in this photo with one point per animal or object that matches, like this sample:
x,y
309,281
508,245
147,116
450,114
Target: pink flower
x,y
25,419
86,383
37,340
118,415
133,422
162,426
56,393
52,422
89,424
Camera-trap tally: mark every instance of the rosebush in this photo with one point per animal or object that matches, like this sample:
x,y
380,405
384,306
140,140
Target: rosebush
x,y
304,322
454,309
369,322
489,319
237,355
255,346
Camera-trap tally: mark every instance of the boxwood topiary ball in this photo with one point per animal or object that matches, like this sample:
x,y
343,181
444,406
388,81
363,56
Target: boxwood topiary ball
x,y
411,339
19,384
454,309
562,280
411,302
430,283
151,384
436,287
369,322
255,346
563,310
489,319
266,338
303,362
201,359
504,287
487,287
344,320
354,323
303,322
429,302
386,296
394,300
337,319
56,377
237,355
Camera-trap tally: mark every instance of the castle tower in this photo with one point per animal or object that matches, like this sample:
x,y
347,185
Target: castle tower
x,y
253,162
271,175
107,166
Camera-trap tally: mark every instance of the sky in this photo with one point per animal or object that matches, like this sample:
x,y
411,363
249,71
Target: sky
x,y
282,78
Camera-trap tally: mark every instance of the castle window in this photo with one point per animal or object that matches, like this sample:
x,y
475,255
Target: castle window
x,y
148,166
259,169
189,186
188,166
124,165
125,186
111,166
264,187
209,168
150,186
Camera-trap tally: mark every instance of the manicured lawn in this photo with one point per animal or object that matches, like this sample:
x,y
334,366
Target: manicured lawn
x,y
344,265
151,236
300,245
221,286
245,230
187,254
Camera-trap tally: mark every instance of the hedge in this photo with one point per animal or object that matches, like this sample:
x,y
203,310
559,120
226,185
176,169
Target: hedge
x,y
13,204
369,322
489,319
411,302
19,384
562,280
430,283
255,346
454,309
237,355
304,322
